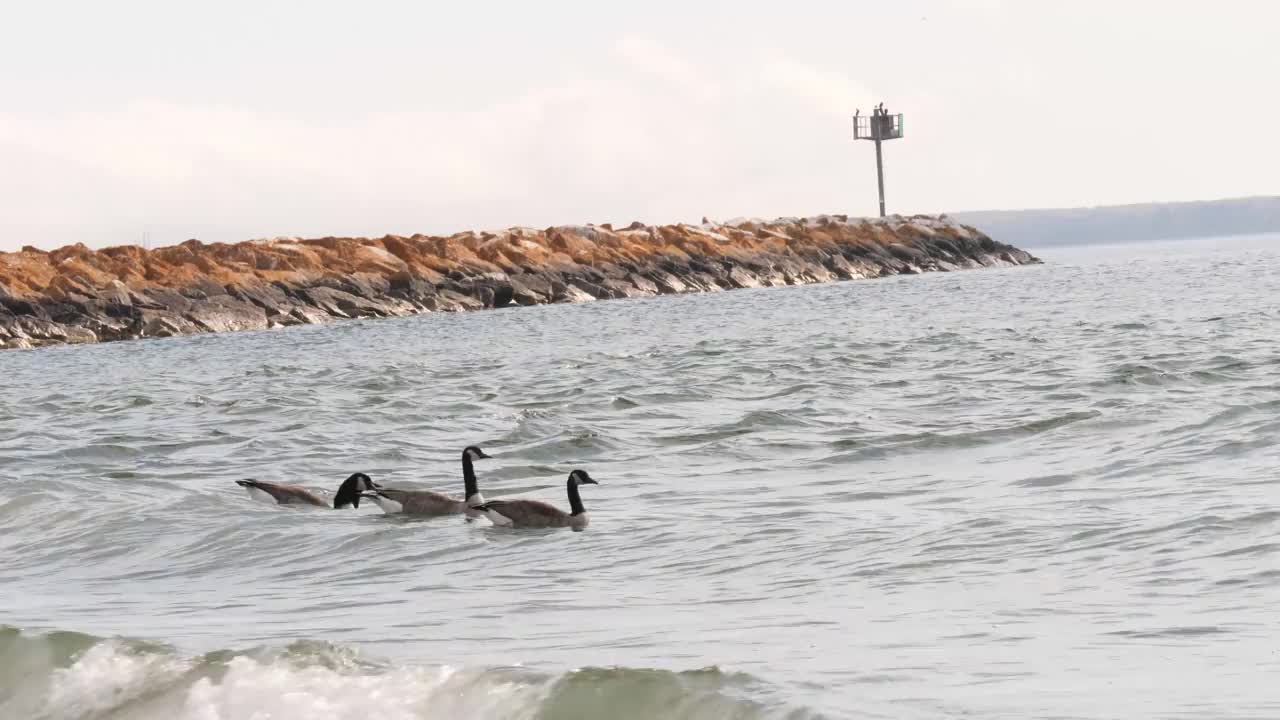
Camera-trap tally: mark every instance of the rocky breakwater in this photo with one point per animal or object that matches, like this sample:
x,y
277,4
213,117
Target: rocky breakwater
x,y
78,295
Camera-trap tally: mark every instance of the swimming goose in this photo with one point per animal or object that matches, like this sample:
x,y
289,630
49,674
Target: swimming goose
x,y
348,493
537,514
427,502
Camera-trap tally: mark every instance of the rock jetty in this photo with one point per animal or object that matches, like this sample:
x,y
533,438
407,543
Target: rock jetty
x,y
78,295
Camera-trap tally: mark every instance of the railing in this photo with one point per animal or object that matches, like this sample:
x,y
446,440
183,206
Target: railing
x,y
877,127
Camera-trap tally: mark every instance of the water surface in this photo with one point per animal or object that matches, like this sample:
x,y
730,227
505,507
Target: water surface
x,y
1034,492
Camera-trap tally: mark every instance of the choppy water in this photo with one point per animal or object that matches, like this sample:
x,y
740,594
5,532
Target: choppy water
x,y
1040,492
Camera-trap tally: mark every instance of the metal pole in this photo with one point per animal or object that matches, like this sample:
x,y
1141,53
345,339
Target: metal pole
x,y
880,173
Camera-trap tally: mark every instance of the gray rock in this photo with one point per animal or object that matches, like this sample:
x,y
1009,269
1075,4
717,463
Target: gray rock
x,y
597,292
78,335
572,294
224,314
160,323
271,299
622,288
108,328
411,287
667,283
329,300
908,254
165,299
303,315
643,284
742,278
451,301
531,289
36,328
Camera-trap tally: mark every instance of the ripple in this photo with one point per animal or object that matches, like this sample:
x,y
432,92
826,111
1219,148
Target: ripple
x,y
883,502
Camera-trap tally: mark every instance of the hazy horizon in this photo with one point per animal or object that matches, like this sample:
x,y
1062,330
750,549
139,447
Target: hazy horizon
x,y
266,119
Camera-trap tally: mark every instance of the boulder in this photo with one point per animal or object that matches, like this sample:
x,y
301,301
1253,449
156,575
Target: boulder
x,y
410,286
36,328
225,314
161,323
571,294
624,288
451,301
643,284
115,300
303,315
531,289
78,335
666,283
273,301
741,278
597,292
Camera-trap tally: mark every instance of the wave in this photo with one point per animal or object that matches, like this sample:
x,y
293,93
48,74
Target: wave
x,y
67,675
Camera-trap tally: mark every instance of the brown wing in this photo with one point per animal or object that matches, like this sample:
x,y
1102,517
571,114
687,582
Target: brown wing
x,y
423,502
529,513
290,494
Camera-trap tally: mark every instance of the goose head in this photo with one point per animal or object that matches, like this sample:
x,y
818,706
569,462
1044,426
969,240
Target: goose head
x,y
471,452
580,477
352,489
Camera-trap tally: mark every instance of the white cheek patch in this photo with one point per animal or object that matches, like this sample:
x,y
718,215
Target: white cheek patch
x,y
260,495
388,505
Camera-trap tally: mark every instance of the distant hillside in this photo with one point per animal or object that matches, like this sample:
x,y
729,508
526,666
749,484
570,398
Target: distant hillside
x,y
1127,223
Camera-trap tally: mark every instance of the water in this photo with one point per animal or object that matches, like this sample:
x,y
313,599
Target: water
x,y
1037,492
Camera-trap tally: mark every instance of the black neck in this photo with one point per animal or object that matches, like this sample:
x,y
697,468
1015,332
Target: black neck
x,y
575,502
470,487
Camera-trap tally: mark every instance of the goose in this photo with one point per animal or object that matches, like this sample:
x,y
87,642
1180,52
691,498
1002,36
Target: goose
x,y
537,514
427,502
348,493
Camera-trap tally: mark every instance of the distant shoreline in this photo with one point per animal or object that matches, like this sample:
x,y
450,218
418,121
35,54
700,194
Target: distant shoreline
x,y
1146,222
78,295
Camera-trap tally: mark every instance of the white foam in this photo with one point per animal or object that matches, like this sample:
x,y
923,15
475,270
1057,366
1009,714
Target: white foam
x,y
109,680
318,680
280,691
105,677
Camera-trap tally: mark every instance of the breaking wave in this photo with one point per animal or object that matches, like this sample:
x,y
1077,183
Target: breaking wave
x,y
68,675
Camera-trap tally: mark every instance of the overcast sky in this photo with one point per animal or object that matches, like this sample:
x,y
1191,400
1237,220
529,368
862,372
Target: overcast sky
x,y
256,118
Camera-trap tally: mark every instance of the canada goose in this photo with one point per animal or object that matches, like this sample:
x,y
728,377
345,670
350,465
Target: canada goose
x,y
348,493
537,514
428,502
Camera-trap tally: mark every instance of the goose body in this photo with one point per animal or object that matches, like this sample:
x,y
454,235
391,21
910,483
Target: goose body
x,y
284,494
429,502
416,502
538,514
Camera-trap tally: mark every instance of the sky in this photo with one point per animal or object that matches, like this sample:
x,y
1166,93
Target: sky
x,y
130,121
